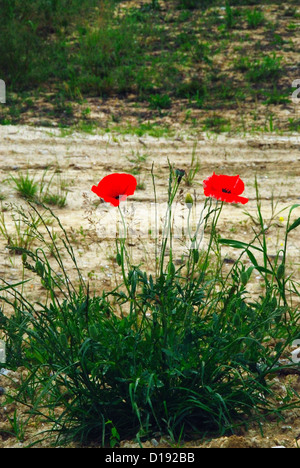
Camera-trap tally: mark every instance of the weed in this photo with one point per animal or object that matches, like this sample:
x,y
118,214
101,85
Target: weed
x,y
18,427
267,68
276,96
294,124
22,236
193,4
137,160
152,129
230,20
141,186
194,168
159,101
217,124
30,189
255,18
25,185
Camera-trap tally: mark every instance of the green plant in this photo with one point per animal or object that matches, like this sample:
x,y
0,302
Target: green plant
x,y
25,185
276,96
137,159
267,68
18,427
294,124
22,235
229,16
159,102
193,169
189,352
30,189
255,18
193,4
217,124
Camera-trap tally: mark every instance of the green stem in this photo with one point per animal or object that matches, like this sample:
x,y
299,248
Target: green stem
x,y
122,245
167,224
213,230
156,234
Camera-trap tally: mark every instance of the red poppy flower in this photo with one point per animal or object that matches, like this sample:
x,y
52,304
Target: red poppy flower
x,y
114,188
225,188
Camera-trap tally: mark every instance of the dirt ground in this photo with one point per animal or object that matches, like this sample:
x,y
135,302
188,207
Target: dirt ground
x,y
83,159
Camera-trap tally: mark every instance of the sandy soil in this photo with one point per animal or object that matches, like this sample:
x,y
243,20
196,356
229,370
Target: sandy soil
x,y
84,159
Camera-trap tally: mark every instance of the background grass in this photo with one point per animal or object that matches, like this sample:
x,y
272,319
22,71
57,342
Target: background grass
x,y
160,52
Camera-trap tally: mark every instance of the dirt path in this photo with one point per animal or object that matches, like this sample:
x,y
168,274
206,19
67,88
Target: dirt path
x,y
84,159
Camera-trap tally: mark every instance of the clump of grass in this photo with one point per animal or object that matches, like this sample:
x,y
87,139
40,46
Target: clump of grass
x,y
217,124
159,102
25,185
267,68
294,124
137,160
275,96
152,129
230,19
194,168
193,4
28,188
255,18
190,351
21,236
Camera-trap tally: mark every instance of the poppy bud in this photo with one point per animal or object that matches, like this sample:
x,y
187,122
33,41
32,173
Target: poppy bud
x,y
196,255
171,269
244,278
119,259
280,271
39,268
179,173
189,200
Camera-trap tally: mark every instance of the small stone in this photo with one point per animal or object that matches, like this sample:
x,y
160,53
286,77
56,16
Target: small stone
x,y
154,442
286,428
2,391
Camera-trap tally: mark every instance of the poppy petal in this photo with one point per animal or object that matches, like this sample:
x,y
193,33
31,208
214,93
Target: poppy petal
x,y
114,188
225,188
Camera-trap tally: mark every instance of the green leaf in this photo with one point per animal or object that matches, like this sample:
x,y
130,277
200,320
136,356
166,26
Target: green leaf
x,y
195,255
281,271
13,285
252,258
119,259
244,278
294,225
239,245
264,270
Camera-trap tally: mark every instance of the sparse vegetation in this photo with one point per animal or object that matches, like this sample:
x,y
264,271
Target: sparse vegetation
x,y
134,52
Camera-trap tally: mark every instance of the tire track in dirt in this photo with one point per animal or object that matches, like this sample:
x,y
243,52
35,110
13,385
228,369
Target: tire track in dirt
x,y
84,159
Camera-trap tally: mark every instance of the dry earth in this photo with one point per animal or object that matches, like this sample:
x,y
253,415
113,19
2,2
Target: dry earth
x,y
84,159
